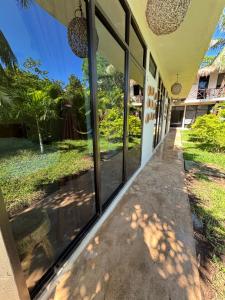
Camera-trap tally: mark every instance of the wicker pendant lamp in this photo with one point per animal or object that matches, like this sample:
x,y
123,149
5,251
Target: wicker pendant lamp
x,y
176,87
165,16
77,34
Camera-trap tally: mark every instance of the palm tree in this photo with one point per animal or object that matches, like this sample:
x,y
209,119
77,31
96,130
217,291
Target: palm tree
x,y
39,106
7,60
219,43
7,57
24,3
216,44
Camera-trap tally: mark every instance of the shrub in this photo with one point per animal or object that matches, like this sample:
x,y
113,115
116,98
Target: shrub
x,y
111,127
209,130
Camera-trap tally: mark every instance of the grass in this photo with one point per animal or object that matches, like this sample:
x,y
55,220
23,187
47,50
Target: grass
x,y
209,207
194,152
25,173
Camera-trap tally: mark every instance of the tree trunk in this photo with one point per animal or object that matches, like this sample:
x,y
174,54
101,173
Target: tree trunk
x,y
39,136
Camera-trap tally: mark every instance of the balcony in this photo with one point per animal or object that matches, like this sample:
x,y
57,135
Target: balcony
x,y
207,94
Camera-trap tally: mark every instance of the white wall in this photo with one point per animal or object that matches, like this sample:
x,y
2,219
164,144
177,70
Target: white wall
x,y
148,128
213,80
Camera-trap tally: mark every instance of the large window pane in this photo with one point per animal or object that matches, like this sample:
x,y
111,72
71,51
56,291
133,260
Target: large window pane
x,y
115,13
46,165
110,73
135,117
136,47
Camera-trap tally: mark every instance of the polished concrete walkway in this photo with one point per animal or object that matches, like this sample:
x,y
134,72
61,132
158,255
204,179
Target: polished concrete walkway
x,y
145,249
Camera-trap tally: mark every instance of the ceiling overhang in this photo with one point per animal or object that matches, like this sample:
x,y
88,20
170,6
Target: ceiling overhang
x,y
183,50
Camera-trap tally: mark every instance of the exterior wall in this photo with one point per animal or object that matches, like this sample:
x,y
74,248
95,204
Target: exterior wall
x,y
213,80
193,92
148,128
12,283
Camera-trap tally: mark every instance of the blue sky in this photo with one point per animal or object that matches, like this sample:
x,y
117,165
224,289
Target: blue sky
x,y
216,35
34,33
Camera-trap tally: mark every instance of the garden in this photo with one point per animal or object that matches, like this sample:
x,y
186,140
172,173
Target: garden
x,y
204,154
45,127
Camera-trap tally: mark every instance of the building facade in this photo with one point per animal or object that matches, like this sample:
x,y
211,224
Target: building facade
x,y
204,94
85,102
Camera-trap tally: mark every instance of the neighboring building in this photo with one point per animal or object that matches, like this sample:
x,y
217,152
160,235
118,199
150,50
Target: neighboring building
x,y
208,90
114,113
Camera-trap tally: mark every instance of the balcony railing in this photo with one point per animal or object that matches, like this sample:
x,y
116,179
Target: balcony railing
x,y
207,93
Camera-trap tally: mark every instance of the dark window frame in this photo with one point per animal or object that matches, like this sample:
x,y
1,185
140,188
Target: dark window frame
x,y
159,113
152,62
93,9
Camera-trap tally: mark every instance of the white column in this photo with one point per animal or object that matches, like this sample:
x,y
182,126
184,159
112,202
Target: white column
x,y
183,121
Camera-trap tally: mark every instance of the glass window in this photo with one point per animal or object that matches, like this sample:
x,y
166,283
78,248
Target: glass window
x,y
46,164
136,47
152,66
115,13
135,117
110,92
159,112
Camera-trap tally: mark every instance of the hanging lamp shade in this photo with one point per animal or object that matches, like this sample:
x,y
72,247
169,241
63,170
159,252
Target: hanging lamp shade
x,y
165,16
77,34
176,88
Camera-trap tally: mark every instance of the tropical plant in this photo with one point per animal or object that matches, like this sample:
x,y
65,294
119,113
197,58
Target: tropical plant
x,y
39,106
30,96
7,57
74,95
8,60
24,3
209,131
218,45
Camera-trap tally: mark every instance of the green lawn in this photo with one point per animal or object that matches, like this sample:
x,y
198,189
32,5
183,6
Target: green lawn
x,y
209,206
25,173
193,151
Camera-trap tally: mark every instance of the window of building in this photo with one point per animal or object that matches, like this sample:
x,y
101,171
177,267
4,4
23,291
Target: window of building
x,y
65,143
159,112
46,152
118,17
152,66
135,112
136,47
110,92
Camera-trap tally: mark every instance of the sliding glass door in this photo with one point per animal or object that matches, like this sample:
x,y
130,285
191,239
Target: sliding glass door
x,y
71,98
135,107
110,60
46,151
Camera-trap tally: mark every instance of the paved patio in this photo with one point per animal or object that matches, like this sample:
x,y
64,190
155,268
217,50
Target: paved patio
x,y
145,249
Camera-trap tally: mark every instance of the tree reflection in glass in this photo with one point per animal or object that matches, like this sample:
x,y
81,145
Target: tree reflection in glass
x,y
46,152
110,92
135,118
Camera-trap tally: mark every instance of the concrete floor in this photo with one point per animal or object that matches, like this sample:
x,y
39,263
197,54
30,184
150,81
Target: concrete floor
x,y
145,249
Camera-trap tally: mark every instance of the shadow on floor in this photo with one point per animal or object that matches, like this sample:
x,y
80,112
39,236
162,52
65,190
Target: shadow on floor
x,y
145,249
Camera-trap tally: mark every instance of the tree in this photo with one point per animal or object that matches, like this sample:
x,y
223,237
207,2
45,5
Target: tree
x,y
74,95
40,106
8,60
31,97
7,57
